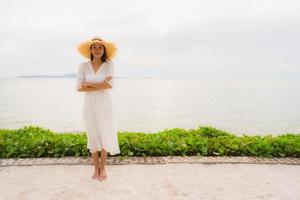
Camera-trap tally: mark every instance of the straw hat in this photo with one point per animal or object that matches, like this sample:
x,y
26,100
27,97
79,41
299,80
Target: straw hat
x,y
110,47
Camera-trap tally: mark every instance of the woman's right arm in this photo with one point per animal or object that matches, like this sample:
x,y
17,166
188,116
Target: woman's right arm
x,y
80,77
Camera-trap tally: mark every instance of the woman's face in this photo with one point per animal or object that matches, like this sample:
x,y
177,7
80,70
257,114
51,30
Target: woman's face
x,y
97,50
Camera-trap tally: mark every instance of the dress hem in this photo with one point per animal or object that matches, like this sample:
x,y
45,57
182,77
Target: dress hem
x,y
109,151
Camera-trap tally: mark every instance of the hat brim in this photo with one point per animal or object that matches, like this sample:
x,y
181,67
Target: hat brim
x,y
110,47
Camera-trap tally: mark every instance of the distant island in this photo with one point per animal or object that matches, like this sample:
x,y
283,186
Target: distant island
x,y
73,75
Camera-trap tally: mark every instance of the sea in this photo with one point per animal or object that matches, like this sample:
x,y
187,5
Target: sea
x,y
252,107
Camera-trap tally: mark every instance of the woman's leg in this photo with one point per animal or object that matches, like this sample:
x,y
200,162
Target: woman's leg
x,y
95,158
103,174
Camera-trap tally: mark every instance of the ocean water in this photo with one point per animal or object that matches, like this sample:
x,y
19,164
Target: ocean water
x,y
150,105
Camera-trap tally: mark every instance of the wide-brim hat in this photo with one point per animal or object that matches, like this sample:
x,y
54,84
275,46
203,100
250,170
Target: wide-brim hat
x,y
110,47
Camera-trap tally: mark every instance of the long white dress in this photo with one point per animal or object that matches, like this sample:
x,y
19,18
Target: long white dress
x,y
98,115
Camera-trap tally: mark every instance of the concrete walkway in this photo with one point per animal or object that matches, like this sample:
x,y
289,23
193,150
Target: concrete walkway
x,y
176,178
164,178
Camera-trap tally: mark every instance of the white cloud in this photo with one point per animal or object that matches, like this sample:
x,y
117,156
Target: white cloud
x,y
209,39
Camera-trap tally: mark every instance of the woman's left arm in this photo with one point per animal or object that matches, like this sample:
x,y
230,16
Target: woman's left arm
x,y
100,85
87,89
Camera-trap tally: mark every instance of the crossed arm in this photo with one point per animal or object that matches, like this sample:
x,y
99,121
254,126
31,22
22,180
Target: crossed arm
x,y
85,86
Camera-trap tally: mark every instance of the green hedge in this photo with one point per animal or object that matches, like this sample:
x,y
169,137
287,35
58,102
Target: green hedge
x,y
34,141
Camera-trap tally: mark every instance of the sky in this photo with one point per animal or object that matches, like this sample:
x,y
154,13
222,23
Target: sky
x,y
216,39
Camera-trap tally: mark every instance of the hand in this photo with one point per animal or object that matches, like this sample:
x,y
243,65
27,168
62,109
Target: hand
x,y
108,78
84,84
83,87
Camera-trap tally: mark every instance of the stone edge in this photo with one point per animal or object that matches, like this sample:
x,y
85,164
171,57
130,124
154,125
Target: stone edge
x,y
118,160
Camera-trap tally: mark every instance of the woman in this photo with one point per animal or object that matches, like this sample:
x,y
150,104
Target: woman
x,y
96,78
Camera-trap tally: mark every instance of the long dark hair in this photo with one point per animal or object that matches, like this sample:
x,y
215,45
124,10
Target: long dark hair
x,y
104,57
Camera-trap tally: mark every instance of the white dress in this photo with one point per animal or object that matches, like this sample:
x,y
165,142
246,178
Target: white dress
x,y
98,112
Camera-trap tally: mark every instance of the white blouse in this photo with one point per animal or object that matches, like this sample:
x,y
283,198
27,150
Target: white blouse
x,y
86,73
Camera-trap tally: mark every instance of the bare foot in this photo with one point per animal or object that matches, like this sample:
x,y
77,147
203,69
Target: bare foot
x,y
96,174
103,174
